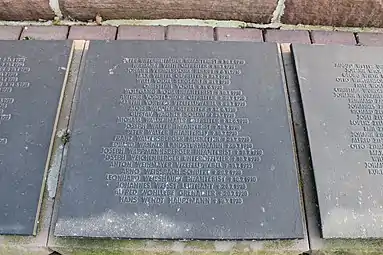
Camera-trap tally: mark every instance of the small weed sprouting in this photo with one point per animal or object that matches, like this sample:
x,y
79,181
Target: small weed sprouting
x,y
56,21
65,137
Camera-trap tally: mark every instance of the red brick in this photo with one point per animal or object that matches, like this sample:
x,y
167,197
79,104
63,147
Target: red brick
x,y
45,32
92,32
340,13
10,32
239,34
26,10
287,36
256,11
190,33
371,39
333,37
141,33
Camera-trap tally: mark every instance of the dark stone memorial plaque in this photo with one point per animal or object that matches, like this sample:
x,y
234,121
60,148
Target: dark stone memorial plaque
x,y
179,140
342,93
31,80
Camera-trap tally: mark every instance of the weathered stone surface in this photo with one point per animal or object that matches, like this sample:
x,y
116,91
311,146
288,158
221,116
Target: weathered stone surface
x,y
370,39
25,10
127,173
334,13
141,33
193,33
93,246
239,34
342,101
32,76
92,33
333,37
287,36
259,11
10,32
45,32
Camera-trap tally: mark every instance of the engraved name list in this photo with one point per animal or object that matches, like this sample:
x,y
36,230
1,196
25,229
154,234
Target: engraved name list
x,y
10,69
181,139
365,102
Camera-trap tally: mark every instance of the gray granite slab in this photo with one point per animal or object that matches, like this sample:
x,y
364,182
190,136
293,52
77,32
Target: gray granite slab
x,y
342,95
31,78
181,140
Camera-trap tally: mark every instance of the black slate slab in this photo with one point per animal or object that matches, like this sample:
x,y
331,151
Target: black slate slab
x,y
31,79
181,140
342,94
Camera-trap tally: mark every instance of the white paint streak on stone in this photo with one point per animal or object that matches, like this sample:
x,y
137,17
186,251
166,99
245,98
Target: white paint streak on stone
x,y
278,12
54,4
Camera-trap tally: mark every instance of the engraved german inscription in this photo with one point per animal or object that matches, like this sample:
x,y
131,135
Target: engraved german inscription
x,y
181,140
361,87
32,74
10,69
342,97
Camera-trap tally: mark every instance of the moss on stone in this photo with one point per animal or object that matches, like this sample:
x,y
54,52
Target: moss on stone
x,y
18,240
128,246
262,252
163,244
354,245
243,246
209,245
351,247
107,250
279,244
75,246
98,252
112,252
101,243
20,250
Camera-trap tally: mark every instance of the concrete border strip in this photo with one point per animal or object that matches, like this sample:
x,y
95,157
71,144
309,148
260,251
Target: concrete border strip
x,y
192,22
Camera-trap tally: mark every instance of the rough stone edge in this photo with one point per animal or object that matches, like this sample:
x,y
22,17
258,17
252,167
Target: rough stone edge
x,y
30,245
318,245
85,246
